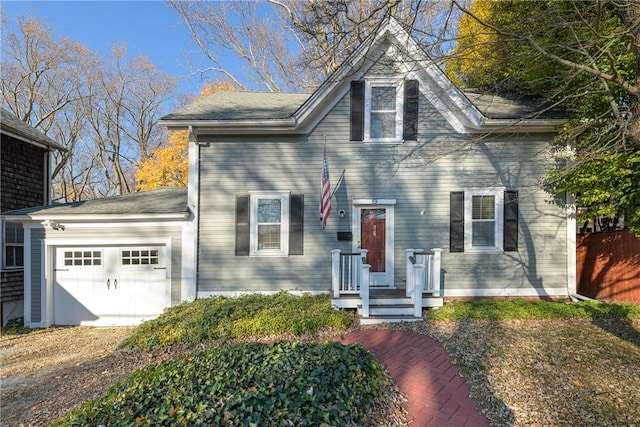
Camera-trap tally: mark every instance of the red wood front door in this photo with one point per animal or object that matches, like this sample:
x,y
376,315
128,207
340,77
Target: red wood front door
x,y
373,238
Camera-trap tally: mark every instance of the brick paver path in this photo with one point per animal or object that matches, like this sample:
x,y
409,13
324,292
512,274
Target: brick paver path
x,y
436,394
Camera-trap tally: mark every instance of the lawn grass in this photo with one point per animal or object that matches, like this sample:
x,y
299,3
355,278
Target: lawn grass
x,y
491,309
254,315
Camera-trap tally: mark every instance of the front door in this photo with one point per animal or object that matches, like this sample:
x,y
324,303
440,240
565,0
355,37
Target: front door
x,y
375,234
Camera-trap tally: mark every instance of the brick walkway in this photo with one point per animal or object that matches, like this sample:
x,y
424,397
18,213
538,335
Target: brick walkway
x,y
436,394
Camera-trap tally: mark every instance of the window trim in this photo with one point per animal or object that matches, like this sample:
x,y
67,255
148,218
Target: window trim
x,y
498,193
399,120
3,250
284,197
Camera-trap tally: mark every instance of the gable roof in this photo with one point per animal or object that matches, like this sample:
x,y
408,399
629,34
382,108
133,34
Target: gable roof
x,y
160,203
466,112
10,124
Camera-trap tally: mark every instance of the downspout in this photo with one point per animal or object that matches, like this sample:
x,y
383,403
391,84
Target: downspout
x,y
190,230
571,248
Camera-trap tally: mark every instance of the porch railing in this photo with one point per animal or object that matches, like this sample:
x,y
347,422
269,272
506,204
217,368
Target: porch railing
x,y
423,275
423,271
350,275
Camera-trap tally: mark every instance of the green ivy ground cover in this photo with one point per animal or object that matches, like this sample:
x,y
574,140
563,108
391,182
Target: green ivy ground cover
x,y
245,384
254,315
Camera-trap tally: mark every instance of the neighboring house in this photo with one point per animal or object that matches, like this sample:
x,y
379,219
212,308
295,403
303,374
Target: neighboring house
x,y
415,164
24,181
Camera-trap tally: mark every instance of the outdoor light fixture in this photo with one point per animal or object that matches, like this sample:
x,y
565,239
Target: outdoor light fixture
x,y
53,225
341,213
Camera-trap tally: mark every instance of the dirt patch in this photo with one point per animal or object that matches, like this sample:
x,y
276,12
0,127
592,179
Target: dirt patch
x,y
45,373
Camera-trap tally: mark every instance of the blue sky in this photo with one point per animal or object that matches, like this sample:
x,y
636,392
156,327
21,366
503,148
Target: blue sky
x,y
149,28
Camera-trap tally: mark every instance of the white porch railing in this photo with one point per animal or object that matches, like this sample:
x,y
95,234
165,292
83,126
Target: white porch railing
x,y
423,271
350,275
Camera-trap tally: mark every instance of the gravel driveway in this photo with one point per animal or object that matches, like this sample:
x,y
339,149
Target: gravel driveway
x,y
45,373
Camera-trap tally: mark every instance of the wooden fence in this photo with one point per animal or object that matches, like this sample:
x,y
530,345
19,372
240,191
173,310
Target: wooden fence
x,y
608,266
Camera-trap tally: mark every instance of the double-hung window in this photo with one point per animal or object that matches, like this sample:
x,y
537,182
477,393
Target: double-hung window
x,y
383,111
483,219
269,224
13,245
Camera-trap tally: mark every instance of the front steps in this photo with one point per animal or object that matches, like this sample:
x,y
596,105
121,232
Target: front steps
x,y
387,306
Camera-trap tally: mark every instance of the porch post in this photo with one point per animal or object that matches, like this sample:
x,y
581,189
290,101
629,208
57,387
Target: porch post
x,y
364,290
417,290
409,272
435,273
335,272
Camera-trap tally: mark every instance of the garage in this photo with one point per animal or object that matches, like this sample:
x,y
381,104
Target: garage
x,y
114,261
107,286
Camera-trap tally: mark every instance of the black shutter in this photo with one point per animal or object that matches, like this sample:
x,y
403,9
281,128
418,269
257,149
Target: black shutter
x,y
510,220
242,225
456,225
410,114
296,224
357,110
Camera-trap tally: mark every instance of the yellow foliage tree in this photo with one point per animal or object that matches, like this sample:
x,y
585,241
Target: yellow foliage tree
x,y
477,57
168,165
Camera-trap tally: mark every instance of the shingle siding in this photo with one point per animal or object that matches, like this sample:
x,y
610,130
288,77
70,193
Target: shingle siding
x,y
418,175
22,184
23,175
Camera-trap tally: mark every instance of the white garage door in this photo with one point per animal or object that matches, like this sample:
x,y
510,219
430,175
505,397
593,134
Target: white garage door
x,y
110,285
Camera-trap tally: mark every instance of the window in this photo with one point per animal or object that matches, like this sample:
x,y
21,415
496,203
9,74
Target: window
x,y
269,224
383,111
484,220
13,245
139,257
82,258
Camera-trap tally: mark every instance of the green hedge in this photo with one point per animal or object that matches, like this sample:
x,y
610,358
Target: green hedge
x,y
245,384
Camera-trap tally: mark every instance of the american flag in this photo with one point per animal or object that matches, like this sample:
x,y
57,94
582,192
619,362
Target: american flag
x,y
325,191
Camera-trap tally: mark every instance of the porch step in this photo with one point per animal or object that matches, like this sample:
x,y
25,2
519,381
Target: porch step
x,y
388,310
376,320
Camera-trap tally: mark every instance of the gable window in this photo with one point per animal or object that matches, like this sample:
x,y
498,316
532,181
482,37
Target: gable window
x,y
484,220
269,224
384,110
13,249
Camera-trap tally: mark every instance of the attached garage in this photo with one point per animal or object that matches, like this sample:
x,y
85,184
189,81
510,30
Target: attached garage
x,y
112,261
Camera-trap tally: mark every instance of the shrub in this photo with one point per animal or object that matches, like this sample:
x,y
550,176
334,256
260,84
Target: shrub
x,y
252,384
253,315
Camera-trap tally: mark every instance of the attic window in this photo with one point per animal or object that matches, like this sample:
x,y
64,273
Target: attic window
x,y
383,111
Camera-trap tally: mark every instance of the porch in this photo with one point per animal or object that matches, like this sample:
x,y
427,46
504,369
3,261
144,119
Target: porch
x,y
352,287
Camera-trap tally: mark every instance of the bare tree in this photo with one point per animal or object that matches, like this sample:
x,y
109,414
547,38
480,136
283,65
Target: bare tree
x,y
103,111
296,44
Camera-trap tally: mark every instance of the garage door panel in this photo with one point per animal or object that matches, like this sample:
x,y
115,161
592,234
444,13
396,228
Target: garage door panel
x,y
110,285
